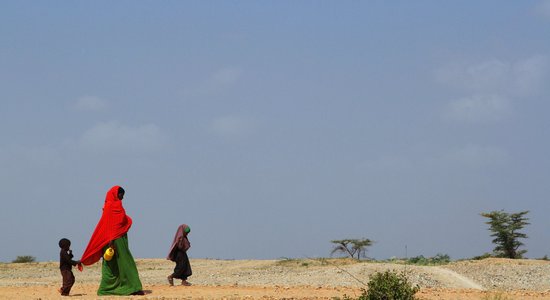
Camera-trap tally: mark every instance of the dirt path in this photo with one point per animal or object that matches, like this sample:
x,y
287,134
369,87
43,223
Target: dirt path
x,y
164,292
457,280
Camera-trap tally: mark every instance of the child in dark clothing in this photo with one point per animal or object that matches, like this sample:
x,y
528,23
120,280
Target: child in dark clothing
x,y
66,264
178,254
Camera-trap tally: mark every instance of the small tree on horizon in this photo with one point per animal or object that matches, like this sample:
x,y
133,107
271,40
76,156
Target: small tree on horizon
x,y
505,228
352,247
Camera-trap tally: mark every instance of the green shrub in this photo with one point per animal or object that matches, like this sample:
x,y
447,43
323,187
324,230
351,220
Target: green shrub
x,y
24,259
389,286
439,259
483,256
417,260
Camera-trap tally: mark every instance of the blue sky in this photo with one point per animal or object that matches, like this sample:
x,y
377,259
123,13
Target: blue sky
x,y
272,128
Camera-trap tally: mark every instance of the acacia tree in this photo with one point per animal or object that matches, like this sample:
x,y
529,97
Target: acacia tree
x,y
352,247
505,228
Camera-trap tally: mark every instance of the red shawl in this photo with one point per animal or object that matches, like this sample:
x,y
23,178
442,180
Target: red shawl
x,y
113,224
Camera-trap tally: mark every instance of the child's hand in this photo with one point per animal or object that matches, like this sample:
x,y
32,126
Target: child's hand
x,y
79,266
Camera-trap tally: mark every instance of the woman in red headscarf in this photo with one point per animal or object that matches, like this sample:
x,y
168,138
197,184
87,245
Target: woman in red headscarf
x,y
119,276
178,254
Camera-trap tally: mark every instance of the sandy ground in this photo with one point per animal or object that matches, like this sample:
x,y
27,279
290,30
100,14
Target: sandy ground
x,y
287,279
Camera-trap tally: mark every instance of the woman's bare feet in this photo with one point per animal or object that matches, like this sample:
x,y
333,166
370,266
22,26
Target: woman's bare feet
x,y
184,282
171,280
139,293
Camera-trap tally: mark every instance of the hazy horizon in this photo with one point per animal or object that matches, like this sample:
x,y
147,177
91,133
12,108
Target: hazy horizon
x,y
272,128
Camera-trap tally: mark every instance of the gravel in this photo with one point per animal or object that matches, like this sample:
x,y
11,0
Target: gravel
x,y
489,274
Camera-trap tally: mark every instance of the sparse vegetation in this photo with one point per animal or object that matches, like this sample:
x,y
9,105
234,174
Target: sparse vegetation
x,y
438,259
352,247
24,259
505,228
483,256
286,261
305,262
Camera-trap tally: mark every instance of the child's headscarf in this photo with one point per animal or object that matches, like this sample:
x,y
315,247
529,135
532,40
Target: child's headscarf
x,y
182,232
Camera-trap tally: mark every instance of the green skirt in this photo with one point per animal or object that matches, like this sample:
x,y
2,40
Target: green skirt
x,y
120,275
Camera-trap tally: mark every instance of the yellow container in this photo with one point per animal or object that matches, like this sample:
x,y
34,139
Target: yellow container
x,y
109,253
